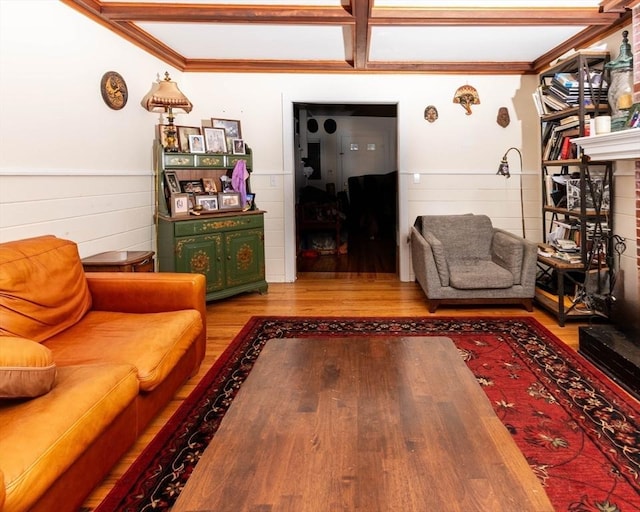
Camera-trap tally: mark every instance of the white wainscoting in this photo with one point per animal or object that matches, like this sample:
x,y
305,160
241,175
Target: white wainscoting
x,y
100,211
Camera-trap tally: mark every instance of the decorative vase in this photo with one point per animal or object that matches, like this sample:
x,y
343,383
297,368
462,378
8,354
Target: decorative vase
x,y
620,94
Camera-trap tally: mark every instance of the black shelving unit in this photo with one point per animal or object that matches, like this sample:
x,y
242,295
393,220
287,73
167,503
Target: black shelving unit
x,y
577,193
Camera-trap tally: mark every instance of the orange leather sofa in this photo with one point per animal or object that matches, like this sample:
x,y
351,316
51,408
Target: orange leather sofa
x,y
86,360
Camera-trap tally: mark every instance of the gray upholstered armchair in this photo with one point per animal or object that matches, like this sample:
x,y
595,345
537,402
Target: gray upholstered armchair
x,y
463,259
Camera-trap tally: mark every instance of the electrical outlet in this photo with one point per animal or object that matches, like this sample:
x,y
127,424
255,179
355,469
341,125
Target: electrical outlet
x,y
272,182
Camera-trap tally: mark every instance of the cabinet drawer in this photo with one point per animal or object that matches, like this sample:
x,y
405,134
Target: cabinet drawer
x,y
178,160
218,224
210,161
233,159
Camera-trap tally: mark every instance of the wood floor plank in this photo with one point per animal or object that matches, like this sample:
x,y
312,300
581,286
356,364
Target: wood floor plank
x,y
316,294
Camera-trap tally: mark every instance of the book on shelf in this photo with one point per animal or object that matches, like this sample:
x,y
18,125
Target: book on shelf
x,y
554,103
572,119
558,145
560,231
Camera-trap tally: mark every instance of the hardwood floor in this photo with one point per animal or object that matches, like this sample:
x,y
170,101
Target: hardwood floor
x,y
364,254
315,294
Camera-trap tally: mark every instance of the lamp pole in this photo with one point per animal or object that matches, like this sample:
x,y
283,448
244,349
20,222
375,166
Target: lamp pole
x,y
503,170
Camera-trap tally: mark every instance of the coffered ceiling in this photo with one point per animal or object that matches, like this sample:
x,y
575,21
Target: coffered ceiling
x,y
354,36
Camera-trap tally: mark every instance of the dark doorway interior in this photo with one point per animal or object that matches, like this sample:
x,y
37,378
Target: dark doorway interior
x,y
350,227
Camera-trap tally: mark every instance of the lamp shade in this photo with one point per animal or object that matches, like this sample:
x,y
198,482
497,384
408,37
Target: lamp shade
x,y
165,96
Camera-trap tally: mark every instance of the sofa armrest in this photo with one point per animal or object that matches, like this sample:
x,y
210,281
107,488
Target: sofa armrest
x,y
427,272
146,292
149,292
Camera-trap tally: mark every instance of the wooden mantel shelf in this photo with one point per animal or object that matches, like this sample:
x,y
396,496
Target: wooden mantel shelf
x,y
622,145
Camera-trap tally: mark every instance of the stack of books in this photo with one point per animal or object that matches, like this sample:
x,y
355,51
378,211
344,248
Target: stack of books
x,y
565,88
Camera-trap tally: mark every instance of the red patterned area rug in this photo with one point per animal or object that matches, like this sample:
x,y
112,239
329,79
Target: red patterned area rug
x,y
578,431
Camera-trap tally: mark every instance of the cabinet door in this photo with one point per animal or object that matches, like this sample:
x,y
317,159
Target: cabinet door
x,y
202,255
244,250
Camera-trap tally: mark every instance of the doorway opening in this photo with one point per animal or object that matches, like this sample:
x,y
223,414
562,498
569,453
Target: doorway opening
x,y
346,188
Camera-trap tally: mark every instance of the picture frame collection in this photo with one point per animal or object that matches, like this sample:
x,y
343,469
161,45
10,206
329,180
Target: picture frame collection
x,y
223,136
205,195
201,196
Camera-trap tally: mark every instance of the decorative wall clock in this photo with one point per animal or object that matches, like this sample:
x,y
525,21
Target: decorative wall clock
x,y
114,90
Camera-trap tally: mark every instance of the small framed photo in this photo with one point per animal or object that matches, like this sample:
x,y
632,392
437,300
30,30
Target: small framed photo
x,y
238,147
183,136
229,201
215,140
208,203
172,183
196,144
192,187
250,202
179,205
231,127
209,186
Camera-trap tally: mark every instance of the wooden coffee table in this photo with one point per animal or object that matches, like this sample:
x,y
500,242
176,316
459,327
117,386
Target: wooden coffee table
x,y
372,424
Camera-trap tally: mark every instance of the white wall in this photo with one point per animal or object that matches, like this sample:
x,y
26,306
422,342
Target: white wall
x,y
69,165
93,165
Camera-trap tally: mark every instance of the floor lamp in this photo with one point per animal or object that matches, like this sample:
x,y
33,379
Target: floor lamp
x,y
503,170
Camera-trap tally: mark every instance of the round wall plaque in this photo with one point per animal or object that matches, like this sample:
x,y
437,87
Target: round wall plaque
x,y
330,126
114,90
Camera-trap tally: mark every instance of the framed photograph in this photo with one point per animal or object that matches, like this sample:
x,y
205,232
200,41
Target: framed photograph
x,y
172,183
179,205
215,140
250,202
238,147
208,203
183,136
192,187
229,201
209,186
196,144
231,127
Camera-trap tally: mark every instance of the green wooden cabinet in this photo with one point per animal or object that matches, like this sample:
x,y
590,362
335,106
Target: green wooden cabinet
x,y
227,248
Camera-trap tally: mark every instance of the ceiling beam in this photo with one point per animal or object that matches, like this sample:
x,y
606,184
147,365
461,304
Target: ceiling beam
x,y
547,16
202,13
362,12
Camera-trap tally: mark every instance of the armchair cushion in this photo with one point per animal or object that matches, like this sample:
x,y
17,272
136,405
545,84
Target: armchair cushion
x,y
479,274
462,236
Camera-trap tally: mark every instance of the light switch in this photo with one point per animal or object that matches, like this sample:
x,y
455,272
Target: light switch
x,y
416,178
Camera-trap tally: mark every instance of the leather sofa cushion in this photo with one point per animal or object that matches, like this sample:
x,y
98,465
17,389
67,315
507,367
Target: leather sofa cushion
x,y
61,425
152,342
43,290
27,368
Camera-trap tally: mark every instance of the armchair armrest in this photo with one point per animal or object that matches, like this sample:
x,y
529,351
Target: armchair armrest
x,y
515,254
429,264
